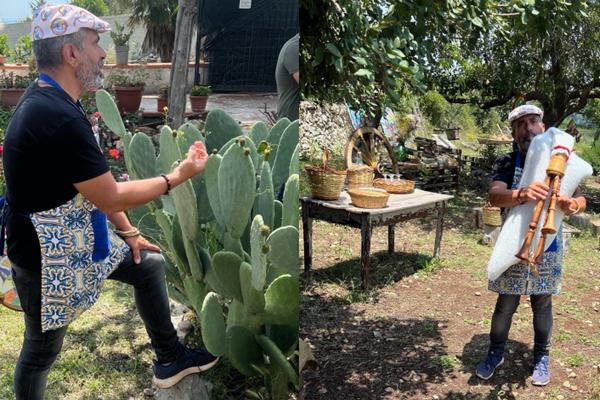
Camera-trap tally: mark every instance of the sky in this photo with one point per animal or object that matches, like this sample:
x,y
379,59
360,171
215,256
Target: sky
x,y
17,10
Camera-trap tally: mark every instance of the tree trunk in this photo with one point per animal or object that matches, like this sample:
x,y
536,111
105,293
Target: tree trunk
x,y
186,20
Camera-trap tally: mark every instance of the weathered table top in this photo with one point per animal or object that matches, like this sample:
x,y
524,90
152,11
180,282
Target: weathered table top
x,y
397,203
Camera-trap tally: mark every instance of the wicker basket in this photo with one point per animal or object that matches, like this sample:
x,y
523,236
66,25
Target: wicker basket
x,y
366,197
491,215
325,183
360,177
400,186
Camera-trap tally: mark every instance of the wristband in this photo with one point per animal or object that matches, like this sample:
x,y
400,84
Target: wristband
x,y
578,207
519,196
168,183
126,234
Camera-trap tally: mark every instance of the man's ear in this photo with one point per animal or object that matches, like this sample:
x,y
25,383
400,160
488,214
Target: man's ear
x,y
70,54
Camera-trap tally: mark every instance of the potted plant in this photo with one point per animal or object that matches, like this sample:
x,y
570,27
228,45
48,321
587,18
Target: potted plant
x,y
12,88
163,96
121,40
4,48
128,88
199,97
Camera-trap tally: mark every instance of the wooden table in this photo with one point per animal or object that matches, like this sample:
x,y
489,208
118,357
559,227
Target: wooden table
x,y
401,207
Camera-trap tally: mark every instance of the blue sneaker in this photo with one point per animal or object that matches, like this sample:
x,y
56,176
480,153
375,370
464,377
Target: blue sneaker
x,y
191,362
486,367
541,372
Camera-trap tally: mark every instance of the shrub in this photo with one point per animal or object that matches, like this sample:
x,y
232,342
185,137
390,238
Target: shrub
x,y
123,78
434,106
4,46
96,7
23,50
200,90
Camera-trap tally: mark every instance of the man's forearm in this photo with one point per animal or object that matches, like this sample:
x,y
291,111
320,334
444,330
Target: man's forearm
x,y
120,221
501,197
133,194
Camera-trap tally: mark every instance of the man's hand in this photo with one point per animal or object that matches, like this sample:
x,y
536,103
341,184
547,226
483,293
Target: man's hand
x,y
536,191
137,244
568,204
195,161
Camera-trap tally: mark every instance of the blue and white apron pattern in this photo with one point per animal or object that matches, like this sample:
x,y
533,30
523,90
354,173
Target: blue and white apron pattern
x,y
78,253
518,279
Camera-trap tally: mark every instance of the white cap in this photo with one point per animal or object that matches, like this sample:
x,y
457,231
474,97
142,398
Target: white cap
x,y
52,20
523,110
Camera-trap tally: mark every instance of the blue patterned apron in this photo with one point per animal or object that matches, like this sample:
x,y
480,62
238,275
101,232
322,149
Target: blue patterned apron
x,y
518,279
78,253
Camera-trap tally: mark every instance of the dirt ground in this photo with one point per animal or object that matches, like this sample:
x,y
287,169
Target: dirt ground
x,y
423,325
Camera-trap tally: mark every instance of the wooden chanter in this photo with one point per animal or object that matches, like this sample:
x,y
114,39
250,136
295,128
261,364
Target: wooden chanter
x,y
554,172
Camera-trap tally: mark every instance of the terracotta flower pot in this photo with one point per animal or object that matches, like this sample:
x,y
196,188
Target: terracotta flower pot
x,y
10,97
128,98
161,104
198,103
2,59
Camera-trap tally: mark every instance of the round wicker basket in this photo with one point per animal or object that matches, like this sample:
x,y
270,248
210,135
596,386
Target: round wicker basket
x,y
491,215
400,186
360,177
369,197
325,183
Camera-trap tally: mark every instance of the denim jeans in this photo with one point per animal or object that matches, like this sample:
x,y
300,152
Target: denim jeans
x,y
40,349
506,305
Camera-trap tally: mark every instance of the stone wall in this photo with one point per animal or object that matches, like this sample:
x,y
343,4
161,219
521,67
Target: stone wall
x,y
323,126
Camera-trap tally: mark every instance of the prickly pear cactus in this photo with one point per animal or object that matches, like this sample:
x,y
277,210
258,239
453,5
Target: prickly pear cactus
x,y
229,236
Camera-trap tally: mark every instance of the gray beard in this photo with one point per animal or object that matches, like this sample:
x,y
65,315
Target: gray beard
x,y
90,75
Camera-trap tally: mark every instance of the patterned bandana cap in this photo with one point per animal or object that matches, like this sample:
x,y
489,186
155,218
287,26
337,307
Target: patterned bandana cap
x,y
52,20
523,110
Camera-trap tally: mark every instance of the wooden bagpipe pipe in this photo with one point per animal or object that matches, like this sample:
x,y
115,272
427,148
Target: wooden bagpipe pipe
x,y
523,238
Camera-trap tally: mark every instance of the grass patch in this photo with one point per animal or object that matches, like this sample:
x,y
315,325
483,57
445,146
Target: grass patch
x,y
564,335
446,362
574,360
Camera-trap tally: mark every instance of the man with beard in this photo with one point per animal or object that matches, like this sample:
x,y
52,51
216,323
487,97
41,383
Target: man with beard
x,y
60,194
516,281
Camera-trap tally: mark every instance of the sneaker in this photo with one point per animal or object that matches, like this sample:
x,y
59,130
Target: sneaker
x,y
486,367
191,362
541,372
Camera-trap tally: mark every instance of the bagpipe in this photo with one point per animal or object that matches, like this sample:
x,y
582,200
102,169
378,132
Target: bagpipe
x,y
551,159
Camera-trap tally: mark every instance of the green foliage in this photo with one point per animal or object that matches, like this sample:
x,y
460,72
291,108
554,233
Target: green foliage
x,y
550,53
119,36
592,155
10,80
200,90
592,112
435,107
4,46
218,249
96,7
381,47
23,50
159,19
127,78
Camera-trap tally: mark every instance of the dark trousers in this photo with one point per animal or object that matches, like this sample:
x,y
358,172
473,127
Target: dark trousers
x,y
506,305
40,349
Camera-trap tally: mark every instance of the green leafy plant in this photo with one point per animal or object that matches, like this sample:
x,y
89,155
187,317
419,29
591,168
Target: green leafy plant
x,y
230,246
12,81
4,46
124,78
163,92
96,7
119,36
200,90
23,50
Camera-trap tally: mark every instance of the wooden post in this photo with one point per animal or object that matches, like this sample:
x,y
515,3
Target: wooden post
x,y
391,239
365,249
186,20
307,234
438,229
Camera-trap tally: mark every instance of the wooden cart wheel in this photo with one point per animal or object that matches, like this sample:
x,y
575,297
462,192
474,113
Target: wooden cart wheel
x,y
367,146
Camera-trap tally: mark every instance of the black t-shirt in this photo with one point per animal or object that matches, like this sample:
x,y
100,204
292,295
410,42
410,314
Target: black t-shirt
x,y
48,146
504,168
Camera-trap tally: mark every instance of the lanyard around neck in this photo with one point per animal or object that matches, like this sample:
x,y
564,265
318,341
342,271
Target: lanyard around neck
x,y
50,81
